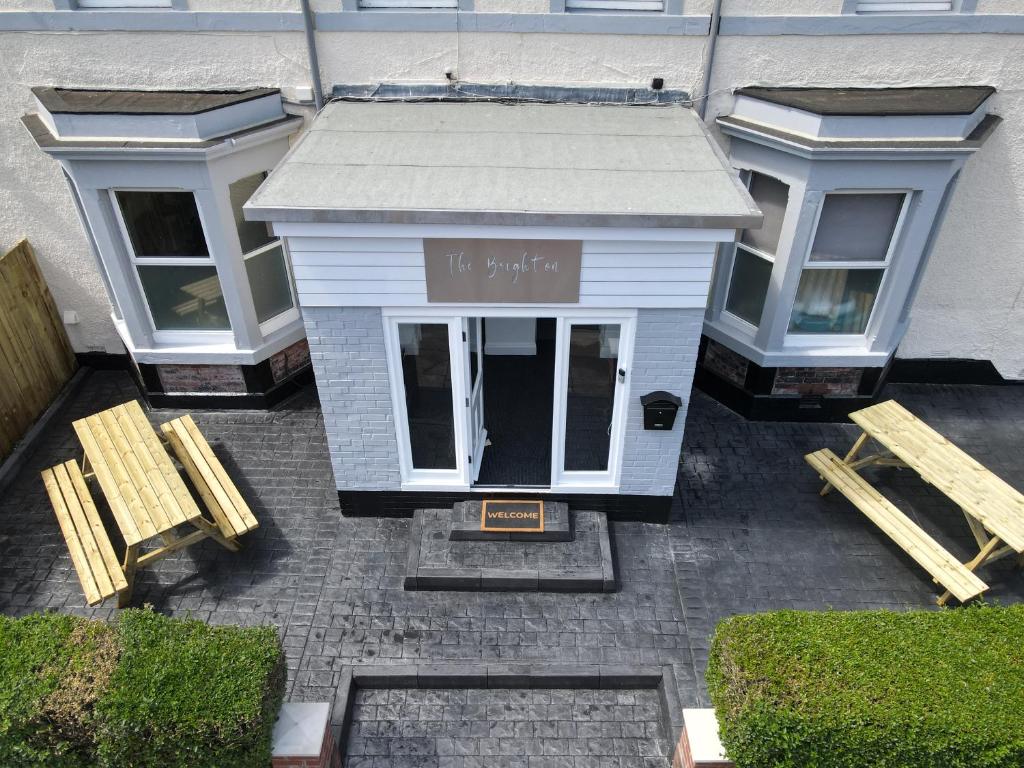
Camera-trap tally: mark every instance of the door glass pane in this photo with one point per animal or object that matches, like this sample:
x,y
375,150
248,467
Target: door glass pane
x,y
856,227
184,298
749,286
251,234
163,224
834,300
593,363
427,373
771,196
268,281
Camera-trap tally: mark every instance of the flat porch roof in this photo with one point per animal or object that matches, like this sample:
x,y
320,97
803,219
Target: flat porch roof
x,y
494,163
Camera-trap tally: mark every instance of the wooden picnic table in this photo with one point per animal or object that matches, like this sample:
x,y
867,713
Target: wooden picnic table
x,y
146,494
994,510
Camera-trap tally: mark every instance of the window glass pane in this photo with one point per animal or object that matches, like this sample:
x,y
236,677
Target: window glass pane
x,y
770,195
163,223
185,298
593,362
268,281
834,300
251,234
749,286
856,227
427,373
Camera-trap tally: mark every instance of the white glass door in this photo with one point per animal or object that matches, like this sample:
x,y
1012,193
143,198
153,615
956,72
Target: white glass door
x,y
591,384
472,335
426,360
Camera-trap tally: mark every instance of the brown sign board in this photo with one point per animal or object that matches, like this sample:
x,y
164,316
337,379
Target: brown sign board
x,y
461,271
511,516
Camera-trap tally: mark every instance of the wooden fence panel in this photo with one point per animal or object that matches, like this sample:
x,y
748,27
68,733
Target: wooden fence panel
x,y
36,358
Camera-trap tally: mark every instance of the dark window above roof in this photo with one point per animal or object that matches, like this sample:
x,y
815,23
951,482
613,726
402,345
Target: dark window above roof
x,y
876,102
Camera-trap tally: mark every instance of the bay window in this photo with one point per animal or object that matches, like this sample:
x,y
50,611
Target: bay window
x,y
755,251
849,254
168,250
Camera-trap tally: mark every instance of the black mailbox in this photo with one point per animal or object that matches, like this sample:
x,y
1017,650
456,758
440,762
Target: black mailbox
x,y
660,409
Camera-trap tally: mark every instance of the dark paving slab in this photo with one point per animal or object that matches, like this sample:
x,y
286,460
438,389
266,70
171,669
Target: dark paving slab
x,y
509,728
749,533
436,560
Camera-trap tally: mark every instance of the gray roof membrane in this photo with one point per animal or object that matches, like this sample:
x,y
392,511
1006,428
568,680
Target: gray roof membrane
x,y
880,102
499,163
81,101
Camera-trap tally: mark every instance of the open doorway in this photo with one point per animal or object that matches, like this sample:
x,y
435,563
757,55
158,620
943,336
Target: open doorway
x,y
518,396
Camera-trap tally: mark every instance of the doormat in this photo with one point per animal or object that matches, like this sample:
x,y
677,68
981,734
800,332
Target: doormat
x,y
512,516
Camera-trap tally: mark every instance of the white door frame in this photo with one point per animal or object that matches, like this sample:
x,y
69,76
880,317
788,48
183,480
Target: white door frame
x,y
591,481
475,402
429,479
461,478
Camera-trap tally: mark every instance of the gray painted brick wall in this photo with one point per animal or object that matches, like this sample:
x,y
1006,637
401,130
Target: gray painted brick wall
x,y
664,357
347,350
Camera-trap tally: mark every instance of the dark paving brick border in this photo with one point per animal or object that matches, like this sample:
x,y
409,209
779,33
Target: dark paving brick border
x,y
511,676
600,578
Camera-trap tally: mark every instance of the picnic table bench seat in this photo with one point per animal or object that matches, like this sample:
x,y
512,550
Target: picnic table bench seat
x,y
91,551
928,553
229,510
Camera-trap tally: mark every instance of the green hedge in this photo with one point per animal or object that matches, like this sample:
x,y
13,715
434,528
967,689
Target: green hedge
x,y
146,692
924,689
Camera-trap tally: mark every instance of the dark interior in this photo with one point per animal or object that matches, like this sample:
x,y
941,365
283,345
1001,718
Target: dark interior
x,y
518,398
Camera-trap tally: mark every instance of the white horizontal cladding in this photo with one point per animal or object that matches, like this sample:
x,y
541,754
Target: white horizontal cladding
x,y
367,272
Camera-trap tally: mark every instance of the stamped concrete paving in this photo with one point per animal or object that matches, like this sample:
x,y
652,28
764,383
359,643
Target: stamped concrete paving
x,y
506,729
749,533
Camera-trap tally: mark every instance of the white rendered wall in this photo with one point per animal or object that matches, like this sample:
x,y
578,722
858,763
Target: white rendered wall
x,y
968,305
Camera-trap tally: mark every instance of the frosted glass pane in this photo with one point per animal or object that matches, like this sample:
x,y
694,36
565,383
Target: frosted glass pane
x,y
771,196
856,227
268,281
749,286
251,234
835,300
184,298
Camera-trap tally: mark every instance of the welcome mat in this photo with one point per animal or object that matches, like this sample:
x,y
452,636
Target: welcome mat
x,y
512,516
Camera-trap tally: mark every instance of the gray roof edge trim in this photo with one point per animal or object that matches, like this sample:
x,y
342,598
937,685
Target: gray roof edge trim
x,y
743,129
53,146
894,24
734,177
500,218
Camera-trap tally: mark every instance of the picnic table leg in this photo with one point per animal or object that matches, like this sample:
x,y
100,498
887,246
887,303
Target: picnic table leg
x,y
980,558
131,559
850,456
214,533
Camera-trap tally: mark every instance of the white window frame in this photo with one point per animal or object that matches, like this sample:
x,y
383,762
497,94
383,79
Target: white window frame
x,y
109,5
282,319
907,7
797,339
171,337
628,6
741,324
